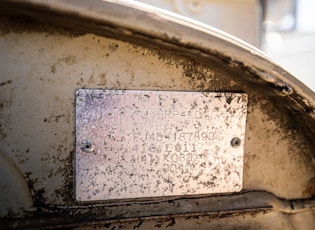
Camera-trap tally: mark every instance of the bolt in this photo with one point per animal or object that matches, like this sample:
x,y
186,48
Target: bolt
x,y
87,146
235,142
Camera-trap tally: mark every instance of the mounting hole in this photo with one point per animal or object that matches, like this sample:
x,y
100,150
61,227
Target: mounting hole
x,y
235,142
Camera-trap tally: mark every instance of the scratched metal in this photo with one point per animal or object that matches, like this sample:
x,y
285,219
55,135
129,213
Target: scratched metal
x,y
133,144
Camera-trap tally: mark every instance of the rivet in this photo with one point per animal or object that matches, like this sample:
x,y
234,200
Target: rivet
x,y
87,146
235,142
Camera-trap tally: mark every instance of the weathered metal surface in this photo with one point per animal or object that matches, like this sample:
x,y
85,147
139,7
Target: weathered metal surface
x,y
60,46
134,144
207,212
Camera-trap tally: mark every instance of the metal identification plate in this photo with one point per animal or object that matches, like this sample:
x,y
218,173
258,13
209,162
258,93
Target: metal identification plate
x,y
135,144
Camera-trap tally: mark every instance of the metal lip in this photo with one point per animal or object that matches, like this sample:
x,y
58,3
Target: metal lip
x,y
132,17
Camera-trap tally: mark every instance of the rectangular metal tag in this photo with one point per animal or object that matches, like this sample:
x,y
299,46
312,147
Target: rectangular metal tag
x,y
135,144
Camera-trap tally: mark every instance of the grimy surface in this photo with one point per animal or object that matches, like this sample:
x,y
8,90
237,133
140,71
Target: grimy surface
x,y
38,108
133,144
48,57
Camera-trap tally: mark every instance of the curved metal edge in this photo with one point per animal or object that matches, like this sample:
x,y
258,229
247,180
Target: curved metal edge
x,y
213,206
135,17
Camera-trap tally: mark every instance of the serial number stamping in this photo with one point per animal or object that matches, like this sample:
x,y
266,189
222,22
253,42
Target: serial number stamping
x,y
134,144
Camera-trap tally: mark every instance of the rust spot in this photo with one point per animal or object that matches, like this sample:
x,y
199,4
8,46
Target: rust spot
x,y
69,60
198,76
107,225
54,118
102,79
172,223
223,215
113,47
138,225
229,99
53,68
5,82
37,194
310,189
91,80
158,224
66,192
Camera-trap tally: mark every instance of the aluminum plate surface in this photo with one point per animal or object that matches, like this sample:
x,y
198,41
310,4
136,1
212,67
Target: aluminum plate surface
x,y
136,144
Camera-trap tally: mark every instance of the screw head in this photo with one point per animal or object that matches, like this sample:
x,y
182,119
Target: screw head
x,y
235,142
87,146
